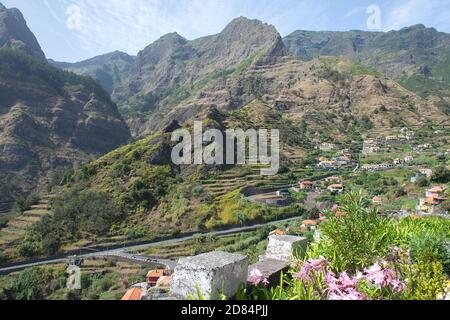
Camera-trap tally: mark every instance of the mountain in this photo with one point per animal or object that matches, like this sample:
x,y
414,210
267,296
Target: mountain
x,y
107,68
417,57
243,77
163,73
309,102
49,118
15,34
166,71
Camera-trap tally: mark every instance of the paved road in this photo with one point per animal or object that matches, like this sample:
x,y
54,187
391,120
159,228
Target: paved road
x,y
123,252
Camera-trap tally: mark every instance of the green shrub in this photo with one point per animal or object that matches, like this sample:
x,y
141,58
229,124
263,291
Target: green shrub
x,y
426,281
3,257
354,240
3,222
34,284
428,248
441,175
29,249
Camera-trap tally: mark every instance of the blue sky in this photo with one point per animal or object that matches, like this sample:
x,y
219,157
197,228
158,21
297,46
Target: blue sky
x,y
74,30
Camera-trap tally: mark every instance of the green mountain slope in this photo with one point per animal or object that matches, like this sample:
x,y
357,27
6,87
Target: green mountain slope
x,y
417,57
107,69
50,118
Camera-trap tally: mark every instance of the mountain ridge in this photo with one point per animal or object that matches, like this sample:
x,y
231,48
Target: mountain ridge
x,y
15,34
49,118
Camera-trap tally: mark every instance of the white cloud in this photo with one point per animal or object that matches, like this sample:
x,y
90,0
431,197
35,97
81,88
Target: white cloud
x,y
410,12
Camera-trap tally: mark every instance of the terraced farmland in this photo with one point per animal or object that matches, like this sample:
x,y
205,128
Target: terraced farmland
x,y
17,226
240,177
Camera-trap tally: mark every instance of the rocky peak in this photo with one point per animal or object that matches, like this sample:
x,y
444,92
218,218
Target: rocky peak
x,y
241,39
15,34
162,48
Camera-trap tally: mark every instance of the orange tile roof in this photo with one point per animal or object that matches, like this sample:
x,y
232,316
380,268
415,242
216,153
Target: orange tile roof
x,y
278,232
164,281
431,201
310,222
134,294
155,273
436,190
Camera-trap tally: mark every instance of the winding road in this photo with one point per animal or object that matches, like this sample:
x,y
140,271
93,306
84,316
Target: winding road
x,y
124,252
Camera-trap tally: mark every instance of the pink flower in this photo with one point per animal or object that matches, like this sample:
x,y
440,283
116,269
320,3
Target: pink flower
x,y
380,275
311,265
346,281
256,277
352,294
398,286
318,264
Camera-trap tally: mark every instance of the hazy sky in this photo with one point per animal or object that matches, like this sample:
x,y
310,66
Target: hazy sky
x,y
73,30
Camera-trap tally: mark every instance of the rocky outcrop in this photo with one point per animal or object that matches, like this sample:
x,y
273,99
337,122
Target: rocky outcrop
x,y
15,34
414,56
107,69
48,119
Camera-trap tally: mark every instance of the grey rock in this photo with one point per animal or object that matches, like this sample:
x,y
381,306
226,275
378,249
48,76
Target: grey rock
x,y
283,247
211,273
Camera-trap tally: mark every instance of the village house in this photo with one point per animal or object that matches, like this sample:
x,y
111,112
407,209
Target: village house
x,y
153,276
283,193
326,146
333,179
377,200
277,232
309,225
431,204
164,282
397,161
434,191
347,153
393,139
423,147
370,146
426,172
407,134
306,185
336,188
376,167
328,165
342,161
409,158
133,294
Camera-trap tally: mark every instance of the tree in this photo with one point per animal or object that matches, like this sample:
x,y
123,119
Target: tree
x,y
29,249
33,284
422,182
3,222
3,257
50,244
441,175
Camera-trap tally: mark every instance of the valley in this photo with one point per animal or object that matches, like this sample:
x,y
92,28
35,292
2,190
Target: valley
x,y
85,148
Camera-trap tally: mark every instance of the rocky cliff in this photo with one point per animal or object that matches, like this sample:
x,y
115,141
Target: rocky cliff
x,y
15,34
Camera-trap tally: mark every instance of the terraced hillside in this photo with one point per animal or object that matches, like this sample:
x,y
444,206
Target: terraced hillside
x,y
417,57
17,227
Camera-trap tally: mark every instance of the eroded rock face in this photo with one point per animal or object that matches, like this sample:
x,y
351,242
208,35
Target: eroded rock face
x,y
49,119
15,34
